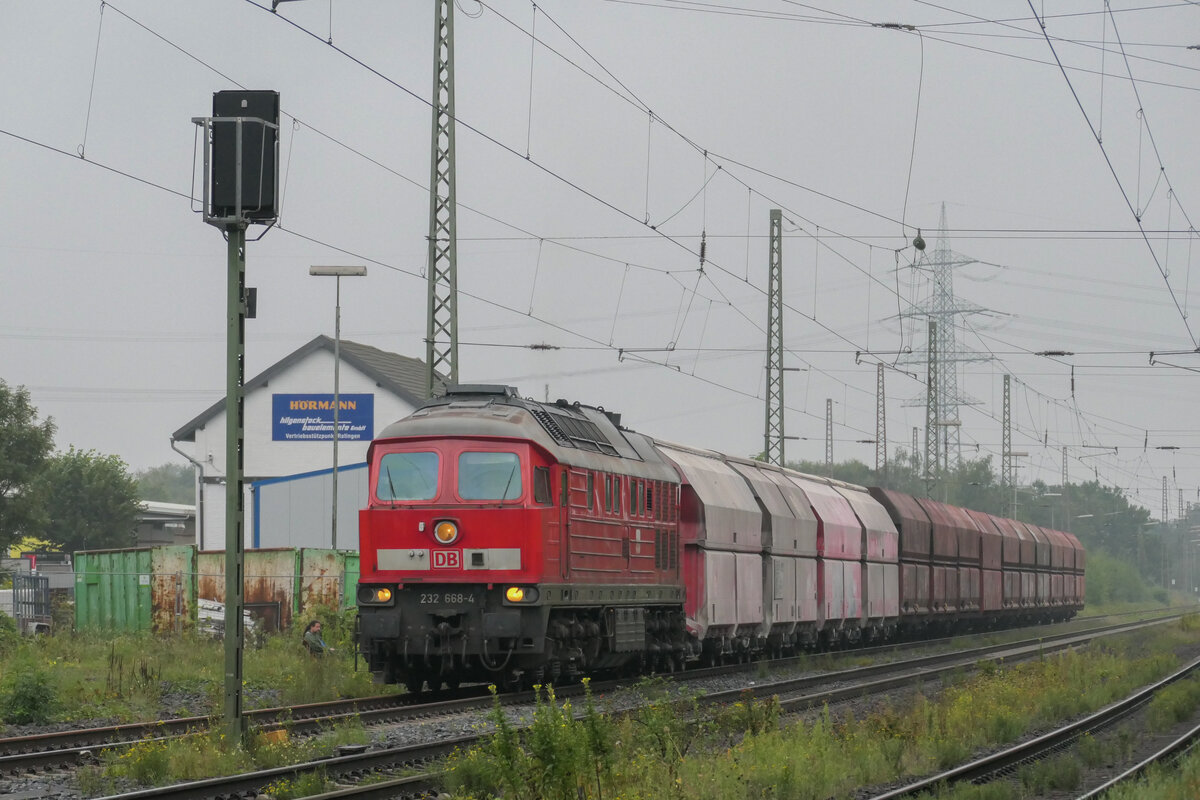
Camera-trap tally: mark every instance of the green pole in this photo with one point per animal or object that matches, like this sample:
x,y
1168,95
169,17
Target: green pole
x,y
234,554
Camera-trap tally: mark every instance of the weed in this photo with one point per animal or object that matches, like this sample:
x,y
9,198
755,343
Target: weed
x,y
28,697
304,785
9,638
1094,752
1055,774
93,782
750,715
1173,704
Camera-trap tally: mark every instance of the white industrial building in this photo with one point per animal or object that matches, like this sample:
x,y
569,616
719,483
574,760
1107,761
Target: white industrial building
x,y
288,449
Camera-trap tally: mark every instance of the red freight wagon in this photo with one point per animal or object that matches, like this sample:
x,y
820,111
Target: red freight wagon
x,y
804,538
789,598
1028,544
1041,545
881,541
991,540
791,527
914,529
945,534
881,546
1080,554
725,601
1012,541
912,523
839,593
788,529
991,547
969,588
716,507
839,534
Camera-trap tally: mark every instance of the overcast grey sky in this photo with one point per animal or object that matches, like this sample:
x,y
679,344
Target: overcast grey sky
x,y
590,163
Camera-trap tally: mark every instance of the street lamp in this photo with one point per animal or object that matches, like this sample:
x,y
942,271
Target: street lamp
x,y
337,272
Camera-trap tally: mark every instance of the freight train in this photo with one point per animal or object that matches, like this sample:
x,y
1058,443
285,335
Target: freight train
x,y
511,541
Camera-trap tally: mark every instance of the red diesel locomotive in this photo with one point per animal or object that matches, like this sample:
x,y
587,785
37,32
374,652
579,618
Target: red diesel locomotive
x,y
508,540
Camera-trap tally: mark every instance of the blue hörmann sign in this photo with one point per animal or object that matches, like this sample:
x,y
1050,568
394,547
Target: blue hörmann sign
x,y
309,417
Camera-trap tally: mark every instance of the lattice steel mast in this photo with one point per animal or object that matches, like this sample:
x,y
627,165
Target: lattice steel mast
x,y
933,365
880,427
441,332
944,308
774,438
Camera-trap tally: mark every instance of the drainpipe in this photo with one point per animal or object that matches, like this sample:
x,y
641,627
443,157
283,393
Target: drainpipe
x,y
199,495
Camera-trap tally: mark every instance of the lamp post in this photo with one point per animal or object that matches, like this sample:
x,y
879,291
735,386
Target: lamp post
x,y
337,272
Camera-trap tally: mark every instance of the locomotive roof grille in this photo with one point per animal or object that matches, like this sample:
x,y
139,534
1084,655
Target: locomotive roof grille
x,y
573,432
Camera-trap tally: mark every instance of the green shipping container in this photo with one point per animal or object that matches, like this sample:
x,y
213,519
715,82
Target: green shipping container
x,y
135,590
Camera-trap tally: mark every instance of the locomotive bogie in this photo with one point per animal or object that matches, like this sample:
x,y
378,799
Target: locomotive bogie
x,y
455,632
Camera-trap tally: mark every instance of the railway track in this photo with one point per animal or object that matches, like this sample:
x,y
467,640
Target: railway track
x,y
794,694
1003,764
42,751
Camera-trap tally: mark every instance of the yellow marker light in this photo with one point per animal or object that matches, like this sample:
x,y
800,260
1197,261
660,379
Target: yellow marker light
x,y
383,595
445,532
514,594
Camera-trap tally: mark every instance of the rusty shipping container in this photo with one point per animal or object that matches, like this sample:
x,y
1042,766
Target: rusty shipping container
x,y
160,589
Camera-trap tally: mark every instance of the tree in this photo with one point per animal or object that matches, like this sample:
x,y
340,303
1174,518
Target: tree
x,y
167,483
90,500
24,446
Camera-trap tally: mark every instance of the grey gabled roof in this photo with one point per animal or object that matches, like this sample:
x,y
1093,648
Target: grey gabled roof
x,y
400,375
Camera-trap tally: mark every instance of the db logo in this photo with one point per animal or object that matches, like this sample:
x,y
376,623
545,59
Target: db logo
x,y
447,559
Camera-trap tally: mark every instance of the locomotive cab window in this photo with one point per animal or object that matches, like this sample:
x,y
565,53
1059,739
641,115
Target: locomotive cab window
x,y
407,476
489,476
541,486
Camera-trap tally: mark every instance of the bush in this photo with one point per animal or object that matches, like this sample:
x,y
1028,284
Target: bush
x,y
1111,580
10,640
28,698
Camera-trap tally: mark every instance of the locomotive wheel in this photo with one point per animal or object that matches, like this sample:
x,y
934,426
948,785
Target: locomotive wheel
x,y
452,682
534,677
414,683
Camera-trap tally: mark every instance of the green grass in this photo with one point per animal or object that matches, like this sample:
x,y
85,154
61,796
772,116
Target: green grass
x,y
89,676
667,750
209,754
1170,782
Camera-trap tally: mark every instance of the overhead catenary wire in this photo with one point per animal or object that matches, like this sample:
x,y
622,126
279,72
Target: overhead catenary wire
x,y
1124,193
817,237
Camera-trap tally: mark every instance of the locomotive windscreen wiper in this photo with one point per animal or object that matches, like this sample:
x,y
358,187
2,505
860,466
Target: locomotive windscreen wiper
x,y
507,485
391,486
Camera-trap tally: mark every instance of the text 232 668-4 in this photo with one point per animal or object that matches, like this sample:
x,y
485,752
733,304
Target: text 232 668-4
x,y
446,598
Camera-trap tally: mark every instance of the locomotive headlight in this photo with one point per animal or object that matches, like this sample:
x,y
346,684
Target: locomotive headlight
x,y
374,596
521,594
445,532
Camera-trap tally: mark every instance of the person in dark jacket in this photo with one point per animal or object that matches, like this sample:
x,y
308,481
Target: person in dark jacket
x,y
312,639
